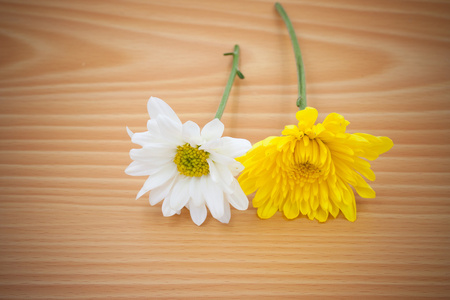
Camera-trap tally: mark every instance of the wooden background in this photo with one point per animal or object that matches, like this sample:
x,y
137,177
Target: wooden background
x,y
73,74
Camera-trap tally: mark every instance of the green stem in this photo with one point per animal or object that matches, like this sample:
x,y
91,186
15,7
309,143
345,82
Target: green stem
x,y
301,100
234,71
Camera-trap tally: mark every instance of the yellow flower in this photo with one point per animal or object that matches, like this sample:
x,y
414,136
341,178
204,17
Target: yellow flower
x,y
310,168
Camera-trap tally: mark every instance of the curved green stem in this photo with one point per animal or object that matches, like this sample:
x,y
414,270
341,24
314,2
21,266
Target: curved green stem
x,y
301,100
234,71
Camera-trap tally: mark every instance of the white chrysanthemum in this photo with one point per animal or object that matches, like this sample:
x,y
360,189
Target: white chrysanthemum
x,y
188,167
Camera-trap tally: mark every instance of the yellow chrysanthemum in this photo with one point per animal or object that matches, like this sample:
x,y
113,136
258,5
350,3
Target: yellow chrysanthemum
x,y
310,168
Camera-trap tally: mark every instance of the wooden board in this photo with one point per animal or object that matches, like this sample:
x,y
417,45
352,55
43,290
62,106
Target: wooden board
x,y
73,74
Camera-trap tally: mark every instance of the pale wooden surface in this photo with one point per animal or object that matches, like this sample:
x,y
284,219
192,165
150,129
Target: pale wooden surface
x,y
73,74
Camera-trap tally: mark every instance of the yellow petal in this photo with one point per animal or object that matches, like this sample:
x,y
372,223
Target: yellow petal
x,y
266,211
333,209
349,210
306,140
315,188
363,167
290,130
306,192
379,144
306,118
248,185
298,194
344,171
312,214
315,159
283,141
335,193
323,151
341,147
318,129
261,196
343,157
305,207
291,210
348,205
267,141
323,196
363,189
335,123
322,215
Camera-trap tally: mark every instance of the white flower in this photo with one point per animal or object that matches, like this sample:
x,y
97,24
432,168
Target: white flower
x,y
188,167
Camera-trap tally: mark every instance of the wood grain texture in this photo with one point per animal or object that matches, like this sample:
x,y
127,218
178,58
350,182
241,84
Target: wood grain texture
x,y
73,74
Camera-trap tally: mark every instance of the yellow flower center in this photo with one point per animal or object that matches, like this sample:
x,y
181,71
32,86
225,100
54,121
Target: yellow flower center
x,y
191,162
305,172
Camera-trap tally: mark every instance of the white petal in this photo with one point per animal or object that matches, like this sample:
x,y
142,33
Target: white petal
x,y
157,169
134,168
213,171
130,133
238,199
198,213
170,130
157,107
227,213
236,168
216,176
152,126
220,158
142,138
144,168
214,197
191,133
195,191
229,146
158,179
166,209
225,173
153,153
161,192
213,130
180,194
157,136
139,168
